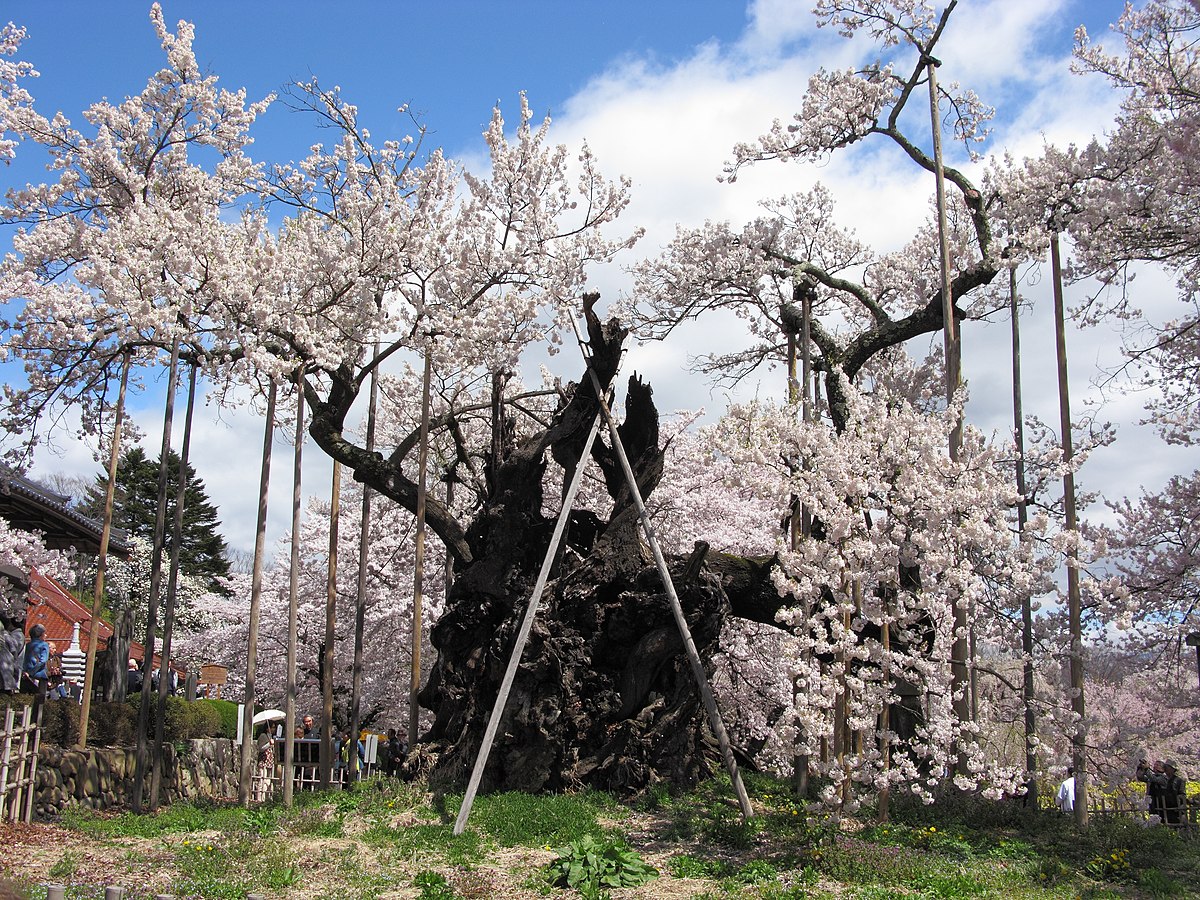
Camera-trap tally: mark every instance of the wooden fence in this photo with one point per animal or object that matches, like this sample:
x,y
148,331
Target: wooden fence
x,y
18,764
1136,808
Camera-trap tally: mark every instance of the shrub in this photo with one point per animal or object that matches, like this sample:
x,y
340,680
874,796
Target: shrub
x,y
60,723
113,724
227,711
189,721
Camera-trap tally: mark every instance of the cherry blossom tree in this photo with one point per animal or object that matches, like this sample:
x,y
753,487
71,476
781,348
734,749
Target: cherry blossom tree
x,y
128,249
863,303
22,551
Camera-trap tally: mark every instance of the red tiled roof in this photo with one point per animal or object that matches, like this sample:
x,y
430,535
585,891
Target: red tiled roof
x,y
53,607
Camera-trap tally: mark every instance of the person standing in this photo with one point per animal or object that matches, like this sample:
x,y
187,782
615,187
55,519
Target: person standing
x,y
1174,794
397,750
54,672
133,678
1065,798
34,676
264,773
1155,779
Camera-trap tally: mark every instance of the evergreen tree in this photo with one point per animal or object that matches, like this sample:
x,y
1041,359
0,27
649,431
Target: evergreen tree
x,y
202,548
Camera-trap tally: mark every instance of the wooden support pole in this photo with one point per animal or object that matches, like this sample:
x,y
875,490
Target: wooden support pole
x,y
1028,695
327,656
260,546
414,686
1074,601
360,594
160,526
114,456
164,666
289,701
531,608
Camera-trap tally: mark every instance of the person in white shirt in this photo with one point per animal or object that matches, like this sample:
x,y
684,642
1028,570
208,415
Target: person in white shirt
x,y
1066,792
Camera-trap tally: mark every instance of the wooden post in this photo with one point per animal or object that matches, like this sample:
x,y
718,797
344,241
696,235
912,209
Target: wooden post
x,y
114,455
289,702
414,710
959,651
260,542
885,715
164,666
360,596
1074,601
335,506
160,525
1028,695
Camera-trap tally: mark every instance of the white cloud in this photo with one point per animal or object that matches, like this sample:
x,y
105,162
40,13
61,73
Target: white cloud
x,y
671,127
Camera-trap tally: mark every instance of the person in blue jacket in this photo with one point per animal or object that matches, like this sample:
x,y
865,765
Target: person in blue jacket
x,y
34,676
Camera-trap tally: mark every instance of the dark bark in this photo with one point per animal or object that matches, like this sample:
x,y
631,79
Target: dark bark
x,y
604,695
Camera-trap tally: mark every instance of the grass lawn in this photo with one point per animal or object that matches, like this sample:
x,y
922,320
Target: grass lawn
x,y
387,839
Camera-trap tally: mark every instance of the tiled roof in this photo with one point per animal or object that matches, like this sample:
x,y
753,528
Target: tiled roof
x,y
53,607
34,507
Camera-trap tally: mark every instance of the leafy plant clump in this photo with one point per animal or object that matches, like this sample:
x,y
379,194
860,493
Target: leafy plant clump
x,y
592,867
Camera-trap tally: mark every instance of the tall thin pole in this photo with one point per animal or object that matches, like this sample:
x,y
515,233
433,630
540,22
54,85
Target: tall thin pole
x,y
289,701
89,671
960,649
260,544
164,666
160,524
360,597
1028,695
414,711
531,609
335,506
1074,601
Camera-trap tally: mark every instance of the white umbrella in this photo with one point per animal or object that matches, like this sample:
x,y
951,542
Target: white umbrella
x,y
268,715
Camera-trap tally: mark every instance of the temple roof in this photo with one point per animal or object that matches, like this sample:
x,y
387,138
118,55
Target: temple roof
x,y
30,506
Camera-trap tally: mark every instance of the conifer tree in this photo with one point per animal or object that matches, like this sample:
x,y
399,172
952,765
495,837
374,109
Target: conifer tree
x,y
203,551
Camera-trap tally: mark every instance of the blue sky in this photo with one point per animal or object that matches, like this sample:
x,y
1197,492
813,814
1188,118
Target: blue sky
x,y
660,89
451,61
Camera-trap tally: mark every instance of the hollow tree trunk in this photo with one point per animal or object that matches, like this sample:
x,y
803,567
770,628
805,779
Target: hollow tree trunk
x,y
604,695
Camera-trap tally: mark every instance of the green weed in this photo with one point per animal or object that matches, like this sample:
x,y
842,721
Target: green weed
x,y
67,866
592,867
433,886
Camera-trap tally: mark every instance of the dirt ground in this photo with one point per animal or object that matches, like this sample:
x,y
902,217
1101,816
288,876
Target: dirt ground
x,y
146,866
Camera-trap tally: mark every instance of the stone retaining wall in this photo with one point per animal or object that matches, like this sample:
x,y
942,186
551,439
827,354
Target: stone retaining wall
x,y
102,777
